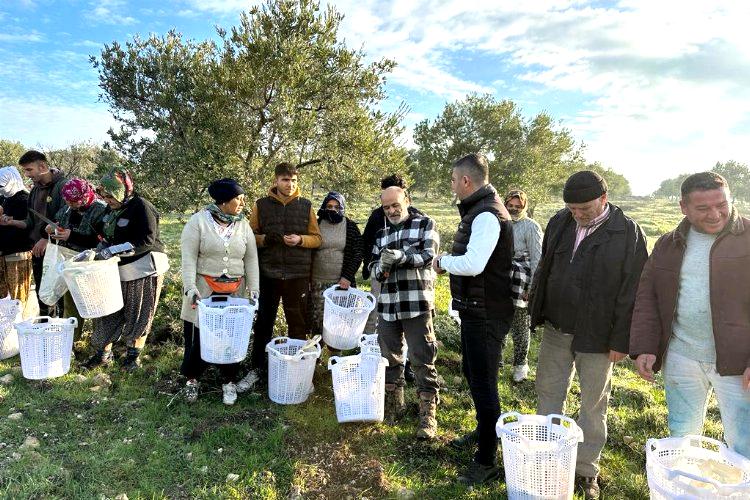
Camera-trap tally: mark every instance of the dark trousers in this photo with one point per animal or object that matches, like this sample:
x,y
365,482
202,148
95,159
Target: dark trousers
x,y
420,338
294,295
44,309
481,341
193,365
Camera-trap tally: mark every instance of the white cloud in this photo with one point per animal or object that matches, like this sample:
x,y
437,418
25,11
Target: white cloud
x,y
34,36
663,83
53,124
109,12
222,6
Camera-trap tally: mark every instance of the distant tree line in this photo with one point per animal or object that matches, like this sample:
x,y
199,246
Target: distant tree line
x,y
736,173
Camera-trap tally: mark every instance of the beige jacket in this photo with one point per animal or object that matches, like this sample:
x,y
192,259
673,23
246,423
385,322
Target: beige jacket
x,y
204,252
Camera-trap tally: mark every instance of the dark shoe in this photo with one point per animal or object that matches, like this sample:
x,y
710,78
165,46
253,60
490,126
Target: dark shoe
x,y
408,373
589,486
394,403
427,409
131,361
466,441
477,473
100,358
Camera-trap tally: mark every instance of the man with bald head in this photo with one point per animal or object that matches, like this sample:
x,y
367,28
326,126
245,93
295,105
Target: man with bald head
x,y
401,261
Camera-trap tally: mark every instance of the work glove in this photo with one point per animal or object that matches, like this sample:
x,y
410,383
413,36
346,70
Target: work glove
x,y
389,257
273,239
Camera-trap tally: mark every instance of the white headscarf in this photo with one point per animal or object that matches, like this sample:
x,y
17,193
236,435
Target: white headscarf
x,y
10,181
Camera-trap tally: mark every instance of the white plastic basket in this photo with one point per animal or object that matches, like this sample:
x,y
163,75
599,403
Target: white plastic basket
x,y
368,344
290,370
46,345
359,387
226,324
10,313
95,286
539,455
345,316
667,482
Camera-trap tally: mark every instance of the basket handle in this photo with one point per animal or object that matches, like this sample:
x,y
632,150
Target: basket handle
x,y
565,420
218,298
73,321
332,361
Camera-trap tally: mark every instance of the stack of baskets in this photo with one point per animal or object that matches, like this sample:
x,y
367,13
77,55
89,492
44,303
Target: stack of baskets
x,y
682,468
539,455
345,315
225,327
10,313
368,344
95,286
359,385
46,345
291,369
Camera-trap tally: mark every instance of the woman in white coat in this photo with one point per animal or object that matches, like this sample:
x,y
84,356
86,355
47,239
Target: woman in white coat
x,y
217,242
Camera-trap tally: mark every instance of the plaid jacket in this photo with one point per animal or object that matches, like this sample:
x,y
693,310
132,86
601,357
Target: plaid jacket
x,y
520,281
409,289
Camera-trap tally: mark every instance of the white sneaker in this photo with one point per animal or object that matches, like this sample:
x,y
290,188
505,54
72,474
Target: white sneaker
x,y
520,373
230,393
248,381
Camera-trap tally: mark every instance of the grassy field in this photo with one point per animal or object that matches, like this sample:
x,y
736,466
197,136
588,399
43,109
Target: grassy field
x,y
136,436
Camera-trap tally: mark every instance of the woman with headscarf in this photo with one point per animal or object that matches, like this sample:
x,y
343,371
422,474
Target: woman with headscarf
x,y
129,219
339,256
219,257
77,221
15,244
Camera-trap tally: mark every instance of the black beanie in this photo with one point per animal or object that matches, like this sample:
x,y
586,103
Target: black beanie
x,y
584,186
224,190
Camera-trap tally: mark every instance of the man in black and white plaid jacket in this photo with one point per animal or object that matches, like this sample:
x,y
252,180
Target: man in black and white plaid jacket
x,y
401,260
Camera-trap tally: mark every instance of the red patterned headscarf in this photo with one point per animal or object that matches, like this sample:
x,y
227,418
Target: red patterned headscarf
x,y
79,191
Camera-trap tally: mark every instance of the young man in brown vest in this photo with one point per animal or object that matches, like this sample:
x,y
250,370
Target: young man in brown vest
x,y
286,232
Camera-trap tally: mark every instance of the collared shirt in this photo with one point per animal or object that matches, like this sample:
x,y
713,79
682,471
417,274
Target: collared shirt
x,y
583,231
409,289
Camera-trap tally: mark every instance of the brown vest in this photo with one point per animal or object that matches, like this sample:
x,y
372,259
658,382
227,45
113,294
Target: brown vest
x,y
282,261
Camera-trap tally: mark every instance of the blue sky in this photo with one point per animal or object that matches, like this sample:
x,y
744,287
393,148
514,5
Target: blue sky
x,y
653,88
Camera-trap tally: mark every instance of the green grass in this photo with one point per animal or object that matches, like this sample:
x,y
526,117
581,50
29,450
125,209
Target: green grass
x,y
136,437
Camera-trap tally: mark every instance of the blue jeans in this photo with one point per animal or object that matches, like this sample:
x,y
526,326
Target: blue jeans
x,y
688,384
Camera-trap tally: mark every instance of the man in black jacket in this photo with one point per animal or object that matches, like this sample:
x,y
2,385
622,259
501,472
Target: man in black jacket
x,y
479,265
583,294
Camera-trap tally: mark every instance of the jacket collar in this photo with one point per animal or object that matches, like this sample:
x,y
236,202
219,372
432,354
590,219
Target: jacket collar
x,y
486,191
735,226
284,200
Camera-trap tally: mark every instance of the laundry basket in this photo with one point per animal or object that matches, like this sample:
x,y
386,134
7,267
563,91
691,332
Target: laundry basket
x,y
368,344
680,468
358,387
95,286
539,455
345,315
290,370
10,313
45,345
225,326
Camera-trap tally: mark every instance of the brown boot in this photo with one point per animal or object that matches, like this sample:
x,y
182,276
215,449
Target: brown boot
x,y
394,403
427,408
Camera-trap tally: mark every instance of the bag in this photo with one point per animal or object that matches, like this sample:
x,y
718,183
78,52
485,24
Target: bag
x,y
520,281
53,286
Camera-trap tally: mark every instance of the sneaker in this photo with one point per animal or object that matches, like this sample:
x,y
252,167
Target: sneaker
x,y
477,473
589,486
100,358
248,381
191,391
520,373
230,393
465,441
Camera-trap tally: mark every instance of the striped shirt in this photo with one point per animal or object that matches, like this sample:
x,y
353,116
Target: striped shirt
x,y
583,231
409,290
